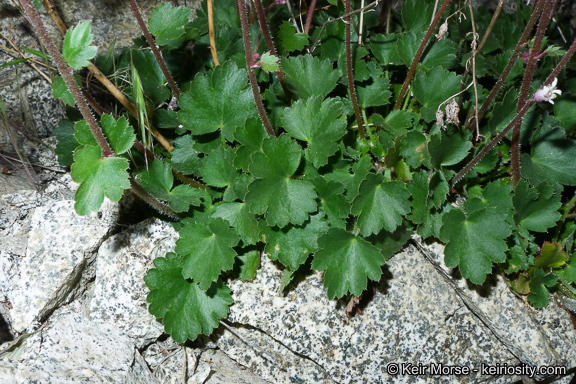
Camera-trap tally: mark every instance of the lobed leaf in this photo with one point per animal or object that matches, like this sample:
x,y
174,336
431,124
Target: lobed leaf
x,y
158,181
77,49
167,23
307,76
186,309
317,122
536,208
293,244
98,177
349,261
538,296
206,250
474,241
281,199
380,205
220,99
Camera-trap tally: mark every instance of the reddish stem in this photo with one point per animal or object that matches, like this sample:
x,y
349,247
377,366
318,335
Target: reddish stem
x,y
155,50
419,54
521,43
353,96
529,74
309,16
68,76
269,44
249,63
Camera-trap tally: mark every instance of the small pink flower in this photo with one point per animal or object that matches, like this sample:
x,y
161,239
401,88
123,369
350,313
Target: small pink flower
x,y
547,92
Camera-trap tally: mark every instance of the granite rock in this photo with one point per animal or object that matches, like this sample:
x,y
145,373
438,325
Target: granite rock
x,y
74,349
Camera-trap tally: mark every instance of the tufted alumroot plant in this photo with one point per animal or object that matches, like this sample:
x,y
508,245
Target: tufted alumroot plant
x,y
325,137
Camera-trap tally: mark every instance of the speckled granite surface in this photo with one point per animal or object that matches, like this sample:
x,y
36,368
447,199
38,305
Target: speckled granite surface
x,y
120,292
415,317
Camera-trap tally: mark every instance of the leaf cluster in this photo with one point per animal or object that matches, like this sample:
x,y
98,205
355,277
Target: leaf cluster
x,y
323,193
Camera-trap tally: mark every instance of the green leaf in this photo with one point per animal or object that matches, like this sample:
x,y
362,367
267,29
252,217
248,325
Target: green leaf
x,y
186,309
332,201
551,256
384,48
220,99
274,193
442,53
536,208
98,177
448,150
317,122
438,189
150,74
361,170
293,244
416,15
247,264
167,22
251,135
349,261
218,171
206,250
292,41
565,111
240,218
496,195
375,94
119,133
418,188
380,204
307,76
60,90
158,181
269,63
569,272
552,156
433,88
407,47
397,122
538,296
474,241
184,157
414,149
77,49
67,143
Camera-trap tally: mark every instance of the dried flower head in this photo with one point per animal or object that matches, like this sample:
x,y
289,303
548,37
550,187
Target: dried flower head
x,y
452,110
442,30
547,92
440,118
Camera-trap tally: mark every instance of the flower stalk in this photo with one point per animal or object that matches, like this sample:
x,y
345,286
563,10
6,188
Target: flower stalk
x,y
249,64
68,76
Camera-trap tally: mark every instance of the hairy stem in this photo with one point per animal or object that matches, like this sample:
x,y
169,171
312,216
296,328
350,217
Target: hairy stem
x,y
249,64
519,115
491,144
521,43
419,54
68,76
155,50
152,201
353,96
528,75
309,16
270,44
107,83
